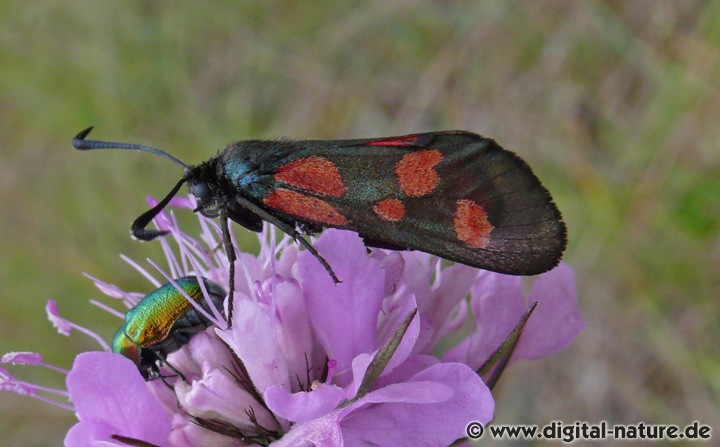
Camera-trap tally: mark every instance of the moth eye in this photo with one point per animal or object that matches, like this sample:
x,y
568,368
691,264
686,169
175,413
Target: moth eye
x,y
202,191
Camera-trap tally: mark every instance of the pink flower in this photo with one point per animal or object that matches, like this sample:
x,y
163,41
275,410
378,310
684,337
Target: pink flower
x,y
497,302
111,399
309,362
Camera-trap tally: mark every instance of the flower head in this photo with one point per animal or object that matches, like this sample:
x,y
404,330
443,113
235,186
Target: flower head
x,y
310,362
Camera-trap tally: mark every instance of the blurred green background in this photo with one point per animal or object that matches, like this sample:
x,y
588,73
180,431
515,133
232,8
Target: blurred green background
x,y
615,104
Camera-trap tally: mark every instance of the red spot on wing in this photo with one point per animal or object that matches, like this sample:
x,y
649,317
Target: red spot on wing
x,y
305,207
471,224
316,174
416,173
408,140
390,209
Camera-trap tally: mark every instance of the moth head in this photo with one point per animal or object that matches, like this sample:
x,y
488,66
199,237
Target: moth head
x,y
208,198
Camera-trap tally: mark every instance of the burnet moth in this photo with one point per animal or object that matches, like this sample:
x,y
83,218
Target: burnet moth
x,y
454,194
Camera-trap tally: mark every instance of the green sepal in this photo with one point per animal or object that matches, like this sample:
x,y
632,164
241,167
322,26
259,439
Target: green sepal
x,y
383,356
502,354
132,441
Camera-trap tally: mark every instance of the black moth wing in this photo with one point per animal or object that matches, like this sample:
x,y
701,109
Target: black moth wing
x,y
528,235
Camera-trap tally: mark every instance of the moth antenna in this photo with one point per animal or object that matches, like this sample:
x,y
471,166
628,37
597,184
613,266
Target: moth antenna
x,y
81,144
138,230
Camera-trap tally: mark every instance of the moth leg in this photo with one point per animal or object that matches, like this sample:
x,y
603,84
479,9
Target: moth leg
x,y
231,257
290,231
298,237
248,220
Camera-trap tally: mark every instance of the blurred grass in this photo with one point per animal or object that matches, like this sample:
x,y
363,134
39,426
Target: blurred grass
x,y
614,103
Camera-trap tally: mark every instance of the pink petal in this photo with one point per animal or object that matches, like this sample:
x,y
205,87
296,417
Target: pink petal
x,y
343,315
219,394
296,342
304,406
498,304
393,264
411,392
22,358
182,202
453,286
404,420
111,397
187,433
433,408
411,366
360,364
409,340
253,339
90,434
62,325
321,432
556,320
114,291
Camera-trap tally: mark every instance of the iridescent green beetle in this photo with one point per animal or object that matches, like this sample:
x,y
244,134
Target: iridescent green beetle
x,y
163,321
